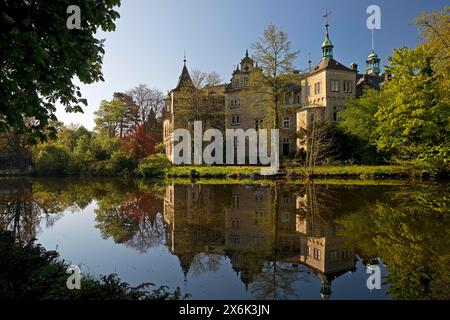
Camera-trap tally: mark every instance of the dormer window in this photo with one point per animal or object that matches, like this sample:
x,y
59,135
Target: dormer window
x,y
245,81
237,83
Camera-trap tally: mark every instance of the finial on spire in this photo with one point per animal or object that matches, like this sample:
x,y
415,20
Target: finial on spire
x,y
309,60
246,53
325,16
184,60
373,41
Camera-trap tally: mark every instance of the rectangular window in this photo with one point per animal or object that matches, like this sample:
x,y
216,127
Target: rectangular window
x,y
289,98
259,241
316,254
334,86
235,223
317,88
235,120
285,218
286,122
246,82
237,83
232,103
235,201
238,102
335,116
258,123
334,256
308,91
258,216
235,239
347,86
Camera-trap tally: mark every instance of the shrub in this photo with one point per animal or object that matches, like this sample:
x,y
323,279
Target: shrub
x,y
29,272
154,165
51,159
120,164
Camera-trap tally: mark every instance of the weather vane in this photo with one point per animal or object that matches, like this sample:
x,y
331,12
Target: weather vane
x,y
325,16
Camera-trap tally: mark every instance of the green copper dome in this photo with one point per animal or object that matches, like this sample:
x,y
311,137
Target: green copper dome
x,y
327,46
372,56
327,42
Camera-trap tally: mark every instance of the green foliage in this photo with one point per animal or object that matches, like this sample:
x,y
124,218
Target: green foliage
x,y
409,233
408,120
51,159
109,117
120,164
40,58
29,272
358,127
153,165
414,122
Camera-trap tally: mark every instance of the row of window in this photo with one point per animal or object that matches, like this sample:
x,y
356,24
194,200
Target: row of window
x,y
237,82
235,103
334,87
347,86
236,120
235,239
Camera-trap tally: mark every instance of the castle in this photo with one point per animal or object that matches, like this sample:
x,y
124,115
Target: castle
x,y
316,95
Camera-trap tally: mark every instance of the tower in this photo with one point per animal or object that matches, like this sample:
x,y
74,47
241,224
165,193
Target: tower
x,y
373,64
327,45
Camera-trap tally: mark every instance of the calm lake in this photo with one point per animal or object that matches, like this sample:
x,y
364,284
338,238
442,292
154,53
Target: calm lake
x,y
321,240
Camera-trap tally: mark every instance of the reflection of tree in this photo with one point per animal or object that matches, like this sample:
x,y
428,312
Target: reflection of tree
x,y
18,212
204,262
410,233
131,218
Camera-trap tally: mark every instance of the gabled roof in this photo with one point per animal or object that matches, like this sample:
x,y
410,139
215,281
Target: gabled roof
x,y
329,63
372,80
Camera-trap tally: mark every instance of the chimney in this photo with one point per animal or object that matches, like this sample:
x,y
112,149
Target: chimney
x,y
354,66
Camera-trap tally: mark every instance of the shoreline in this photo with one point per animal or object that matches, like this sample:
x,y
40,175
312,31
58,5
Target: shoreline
x,y
252,173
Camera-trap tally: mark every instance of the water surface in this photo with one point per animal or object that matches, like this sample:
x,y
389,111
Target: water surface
x,y
239,241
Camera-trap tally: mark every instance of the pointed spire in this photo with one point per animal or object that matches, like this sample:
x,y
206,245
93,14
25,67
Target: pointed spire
x,y
327,45
184,79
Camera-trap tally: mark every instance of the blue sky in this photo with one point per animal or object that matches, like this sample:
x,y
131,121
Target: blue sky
x,y
151,36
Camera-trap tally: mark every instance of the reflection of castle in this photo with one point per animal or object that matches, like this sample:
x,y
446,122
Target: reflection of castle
x,y
321,250
253,224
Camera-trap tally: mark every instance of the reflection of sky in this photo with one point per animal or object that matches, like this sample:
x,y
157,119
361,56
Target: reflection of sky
x,y
78,241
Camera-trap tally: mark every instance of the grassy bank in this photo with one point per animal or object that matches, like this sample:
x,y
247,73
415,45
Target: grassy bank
x,y
322,172
362,172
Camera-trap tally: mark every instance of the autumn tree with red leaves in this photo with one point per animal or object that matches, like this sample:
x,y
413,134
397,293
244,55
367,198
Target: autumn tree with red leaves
x,y
139,143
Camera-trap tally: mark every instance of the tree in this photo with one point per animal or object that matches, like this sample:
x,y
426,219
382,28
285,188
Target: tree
x,y
139,143
40,57
131,113
149,102
274,57
414,120
203,79
358,125
109,117
318,141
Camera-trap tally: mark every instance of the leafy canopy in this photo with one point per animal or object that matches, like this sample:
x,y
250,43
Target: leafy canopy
x,y
40,57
